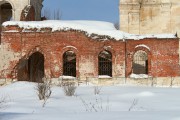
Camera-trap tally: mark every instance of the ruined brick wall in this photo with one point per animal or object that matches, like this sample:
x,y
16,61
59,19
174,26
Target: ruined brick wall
x,y
163,56
53,45
162,53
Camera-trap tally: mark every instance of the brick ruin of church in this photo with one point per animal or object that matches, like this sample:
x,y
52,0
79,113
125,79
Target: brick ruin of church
x,y
30,52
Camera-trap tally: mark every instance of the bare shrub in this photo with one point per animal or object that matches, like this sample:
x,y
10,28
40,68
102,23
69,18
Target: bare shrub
x,y
49,14
116,25
134,103
97,90
44,90
96,106
172,80
69,88
3,101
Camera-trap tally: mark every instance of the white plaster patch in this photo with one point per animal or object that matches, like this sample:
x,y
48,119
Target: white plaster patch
x,y
86,66
7,55
56,68
119,69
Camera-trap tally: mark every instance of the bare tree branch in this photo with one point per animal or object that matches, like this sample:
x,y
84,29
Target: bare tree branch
x,y
49,15
116,25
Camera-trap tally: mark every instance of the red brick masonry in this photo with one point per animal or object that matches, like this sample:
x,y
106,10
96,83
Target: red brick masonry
x,y
163,54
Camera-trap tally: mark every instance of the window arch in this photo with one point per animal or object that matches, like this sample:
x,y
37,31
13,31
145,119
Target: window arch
x,y
69,63
105,63
31,69
6,12
140,62
36,67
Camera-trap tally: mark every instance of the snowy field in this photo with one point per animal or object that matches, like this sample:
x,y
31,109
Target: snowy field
x,y
113,103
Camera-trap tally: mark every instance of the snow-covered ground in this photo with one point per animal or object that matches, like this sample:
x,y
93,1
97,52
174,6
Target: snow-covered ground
x,y
113,103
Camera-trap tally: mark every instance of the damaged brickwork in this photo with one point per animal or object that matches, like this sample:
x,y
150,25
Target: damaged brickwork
x,y
18,46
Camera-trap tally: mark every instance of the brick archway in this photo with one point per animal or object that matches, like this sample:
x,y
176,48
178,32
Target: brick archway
x,y
47,63
105,63
36,67
76,52
96,54
32,68
6,11
147,51
69,63
22,65
8,1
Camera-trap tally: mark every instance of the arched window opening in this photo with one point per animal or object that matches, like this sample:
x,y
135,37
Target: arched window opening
x,y
69,63
5,12
31,69
105,63
36,67
140,62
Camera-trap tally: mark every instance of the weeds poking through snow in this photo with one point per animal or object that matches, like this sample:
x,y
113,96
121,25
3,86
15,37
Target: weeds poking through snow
x,y
172,80
69,88
44,90
97,90
134,103
3,101
96,106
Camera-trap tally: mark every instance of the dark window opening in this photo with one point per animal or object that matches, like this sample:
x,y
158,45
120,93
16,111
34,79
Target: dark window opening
x,y
6,12
31,69
36,67
105,63
69,63
140,62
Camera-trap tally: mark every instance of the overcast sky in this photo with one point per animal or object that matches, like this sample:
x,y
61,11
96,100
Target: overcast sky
x,y
103,10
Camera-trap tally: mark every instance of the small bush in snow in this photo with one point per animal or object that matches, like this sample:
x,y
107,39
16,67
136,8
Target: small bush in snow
x,y
134,103
3,101
44,90
69,88
96,106
97,90
172,80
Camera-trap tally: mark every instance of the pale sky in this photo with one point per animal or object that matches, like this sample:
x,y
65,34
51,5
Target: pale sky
x,y
102,10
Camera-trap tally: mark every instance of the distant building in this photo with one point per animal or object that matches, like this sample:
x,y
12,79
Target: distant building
x,y
19,10
150,16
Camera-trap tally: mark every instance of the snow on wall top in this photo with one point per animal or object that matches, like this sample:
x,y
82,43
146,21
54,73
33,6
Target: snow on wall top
x,y
93,29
